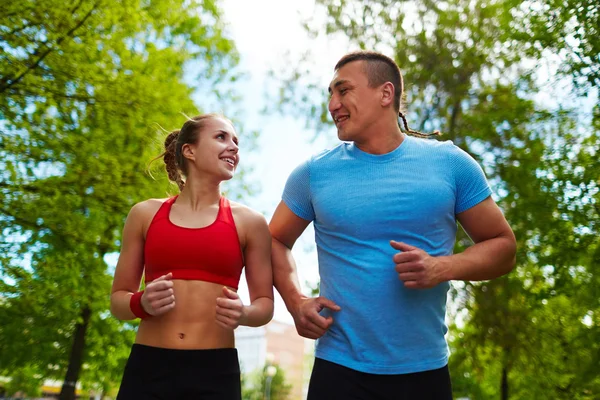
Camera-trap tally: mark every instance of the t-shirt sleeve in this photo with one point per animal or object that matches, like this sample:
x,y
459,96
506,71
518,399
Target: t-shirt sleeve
x,y
472,186
296,194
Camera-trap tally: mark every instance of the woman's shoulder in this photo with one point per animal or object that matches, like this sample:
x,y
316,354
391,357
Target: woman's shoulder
x,y
246,214
146,209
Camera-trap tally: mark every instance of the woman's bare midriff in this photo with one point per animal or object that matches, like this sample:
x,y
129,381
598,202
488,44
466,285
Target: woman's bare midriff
x,y
191,324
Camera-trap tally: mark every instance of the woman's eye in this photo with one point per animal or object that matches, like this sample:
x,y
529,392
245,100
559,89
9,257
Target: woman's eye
x,y
221,136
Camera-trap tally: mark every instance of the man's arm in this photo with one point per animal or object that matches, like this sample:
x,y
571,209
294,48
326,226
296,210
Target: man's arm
x,y
495,248
286,227
492,255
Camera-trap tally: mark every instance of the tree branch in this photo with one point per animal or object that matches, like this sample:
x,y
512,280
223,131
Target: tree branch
x,y
7,82
7,35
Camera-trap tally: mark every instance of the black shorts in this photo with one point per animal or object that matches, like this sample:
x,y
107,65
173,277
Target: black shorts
x,y
167,374
330,381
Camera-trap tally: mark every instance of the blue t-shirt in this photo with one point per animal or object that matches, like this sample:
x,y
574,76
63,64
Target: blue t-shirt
x,y
358,202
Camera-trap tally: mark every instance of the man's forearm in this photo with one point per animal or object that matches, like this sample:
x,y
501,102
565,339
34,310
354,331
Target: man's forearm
x,y
485,260
285,277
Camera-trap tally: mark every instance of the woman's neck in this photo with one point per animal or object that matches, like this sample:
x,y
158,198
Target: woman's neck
x,y
198,195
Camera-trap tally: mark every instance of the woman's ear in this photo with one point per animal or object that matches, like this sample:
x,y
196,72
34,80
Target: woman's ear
x,y
188,152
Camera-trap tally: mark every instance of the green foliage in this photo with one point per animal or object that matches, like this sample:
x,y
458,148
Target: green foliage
x,y
83,88
255,385
572,30
25,382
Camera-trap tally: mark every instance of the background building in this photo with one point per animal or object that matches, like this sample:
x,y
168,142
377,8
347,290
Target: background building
x,y
278,343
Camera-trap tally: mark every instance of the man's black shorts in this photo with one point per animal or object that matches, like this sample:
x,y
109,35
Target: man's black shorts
x,y
330,381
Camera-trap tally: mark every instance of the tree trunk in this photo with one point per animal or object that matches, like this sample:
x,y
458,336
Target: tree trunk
x,y
75,360
504,387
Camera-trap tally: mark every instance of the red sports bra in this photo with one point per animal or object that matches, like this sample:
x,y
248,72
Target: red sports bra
x,y
211,254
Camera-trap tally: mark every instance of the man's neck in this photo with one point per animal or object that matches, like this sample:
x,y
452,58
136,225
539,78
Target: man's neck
x,y
382,141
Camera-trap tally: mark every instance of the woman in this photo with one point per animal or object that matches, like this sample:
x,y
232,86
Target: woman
x,y
191,249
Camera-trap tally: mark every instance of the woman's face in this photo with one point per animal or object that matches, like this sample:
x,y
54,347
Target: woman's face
x,y
216,151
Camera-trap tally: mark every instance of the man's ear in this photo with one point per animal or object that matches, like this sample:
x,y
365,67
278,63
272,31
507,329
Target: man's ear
x,y
387,94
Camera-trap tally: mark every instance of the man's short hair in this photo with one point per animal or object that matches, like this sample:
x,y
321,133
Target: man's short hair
x,y
379,70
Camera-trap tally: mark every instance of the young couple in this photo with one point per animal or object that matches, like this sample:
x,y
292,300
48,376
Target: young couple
x,y
385,207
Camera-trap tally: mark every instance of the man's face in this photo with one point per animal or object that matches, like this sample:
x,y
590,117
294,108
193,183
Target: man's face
x,y
353,105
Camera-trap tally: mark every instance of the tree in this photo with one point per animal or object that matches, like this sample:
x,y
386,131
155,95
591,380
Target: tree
x,y
83,86
571,30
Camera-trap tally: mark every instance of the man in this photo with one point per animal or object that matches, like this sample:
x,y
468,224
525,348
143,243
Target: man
x,y
384,207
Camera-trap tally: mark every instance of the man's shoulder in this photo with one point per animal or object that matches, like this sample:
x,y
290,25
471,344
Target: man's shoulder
x,y
441,150
322,161
433,144
329,154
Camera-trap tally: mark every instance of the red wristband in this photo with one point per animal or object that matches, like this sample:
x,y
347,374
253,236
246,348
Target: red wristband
x,y
135,304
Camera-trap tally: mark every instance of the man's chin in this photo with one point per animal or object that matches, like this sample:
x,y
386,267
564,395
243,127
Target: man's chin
x,y
344,136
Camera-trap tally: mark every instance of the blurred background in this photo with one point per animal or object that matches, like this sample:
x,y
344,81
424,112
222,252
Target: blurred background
x,y
89,87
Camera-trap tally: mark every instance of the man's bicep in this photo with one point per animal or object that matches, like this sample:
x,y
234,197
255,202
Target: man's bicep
x,y
285,226
484,221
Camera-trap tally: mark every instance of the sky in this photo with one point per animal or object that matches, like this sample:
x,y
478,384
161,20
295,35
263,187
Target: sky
x,y
284,142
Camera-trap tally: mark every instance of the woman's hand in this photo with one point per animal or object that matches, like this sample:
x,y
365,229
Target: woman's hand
x,y
158,297
230,309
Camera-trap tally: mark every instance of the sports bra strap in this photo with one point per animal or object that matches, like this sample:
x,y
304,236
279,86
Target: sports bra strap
x,y
165,208
225,213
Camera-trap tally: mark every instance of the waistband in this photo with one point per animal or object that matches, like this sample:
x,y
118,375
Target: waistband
x,y
209,359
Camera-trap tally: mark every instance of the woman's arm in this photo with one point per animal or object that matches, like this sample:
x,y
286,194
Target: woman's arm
x,y
259,277
158,297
